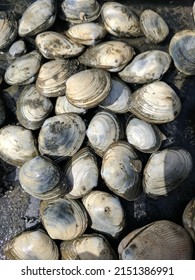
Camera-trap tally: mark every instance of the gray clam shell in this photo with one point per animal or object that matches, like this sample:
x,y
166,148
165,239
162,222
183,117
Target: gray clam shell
x,y
188,218
17,49
8,29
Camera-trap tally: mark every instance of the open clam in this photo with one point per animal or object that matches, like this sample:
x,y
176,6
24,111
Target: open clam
x,y
8,29
188,218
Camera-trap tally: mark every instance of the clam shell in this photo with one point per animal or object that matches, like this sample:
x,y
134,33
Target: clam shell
x,y
63,219
39,16
8,29
188,218
64,106
87,247
121,170
156,103
166,170
146,67
105,211
17,49
88,88
110,55
193,11
153,26
32,245
54,45
160,240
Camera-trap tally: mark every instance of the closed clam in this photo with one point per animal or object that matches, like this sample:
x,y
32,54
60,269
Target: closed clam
x,y
188,218
32,108
160,240
120,20
39,16
153,26
121,170
106,212
32,245
166,170
17,49
146,67
87,247
110,55
156,103
64,106
63,219
8,29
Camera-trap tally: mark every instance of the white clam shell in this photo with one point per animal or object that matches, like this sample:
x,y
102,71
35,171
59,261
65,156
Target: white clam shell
x,y
8,29
17,49
188,218
64,106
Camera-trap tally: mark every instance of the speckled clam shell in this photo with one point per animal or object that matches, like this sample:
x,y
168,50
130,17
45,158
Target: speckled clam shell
x,y
121,170
17,145
32,245
156,103
182,50
24,69
146,67
120,20
188,218
63,219
54,45
39,16
110,55
32,108
153,26
160,240
64,106
166,170
92,246
88,88
77,11
8,29
106,212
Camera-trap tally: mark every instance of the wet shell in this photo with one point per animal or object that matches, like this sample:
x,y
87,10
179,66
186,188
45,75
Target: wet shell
x,y
106,212
110,55
32,245
121,170
88,88
17,49
8,29
62,135
41,178
155,103
78,11
17,145
120,20
54,45
63,219
32,108
81,174
166,170
24,69
64,106
182,50
160,240
153,26
188,218
39,16
87,247
146,67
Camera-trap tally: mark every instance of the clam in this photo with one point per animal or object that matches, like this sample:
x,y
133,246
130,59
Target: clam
x,y
17,145
166,170
64,106
110,55
61,135
188,218
17,49
2,112
54,45
32,108
160,240
63,219
182,50
87,33
103,129
41,178
106,212
120,20
153,26
88,88
81,174
146,67
87,247
77,11
24,69
121,170
8,29
32,245
156,103
193,11
39,16
144,136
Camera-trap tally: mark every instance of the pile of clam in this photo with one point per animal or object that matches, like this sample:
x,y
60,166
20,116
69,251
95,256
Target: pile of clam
x,y
82,168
